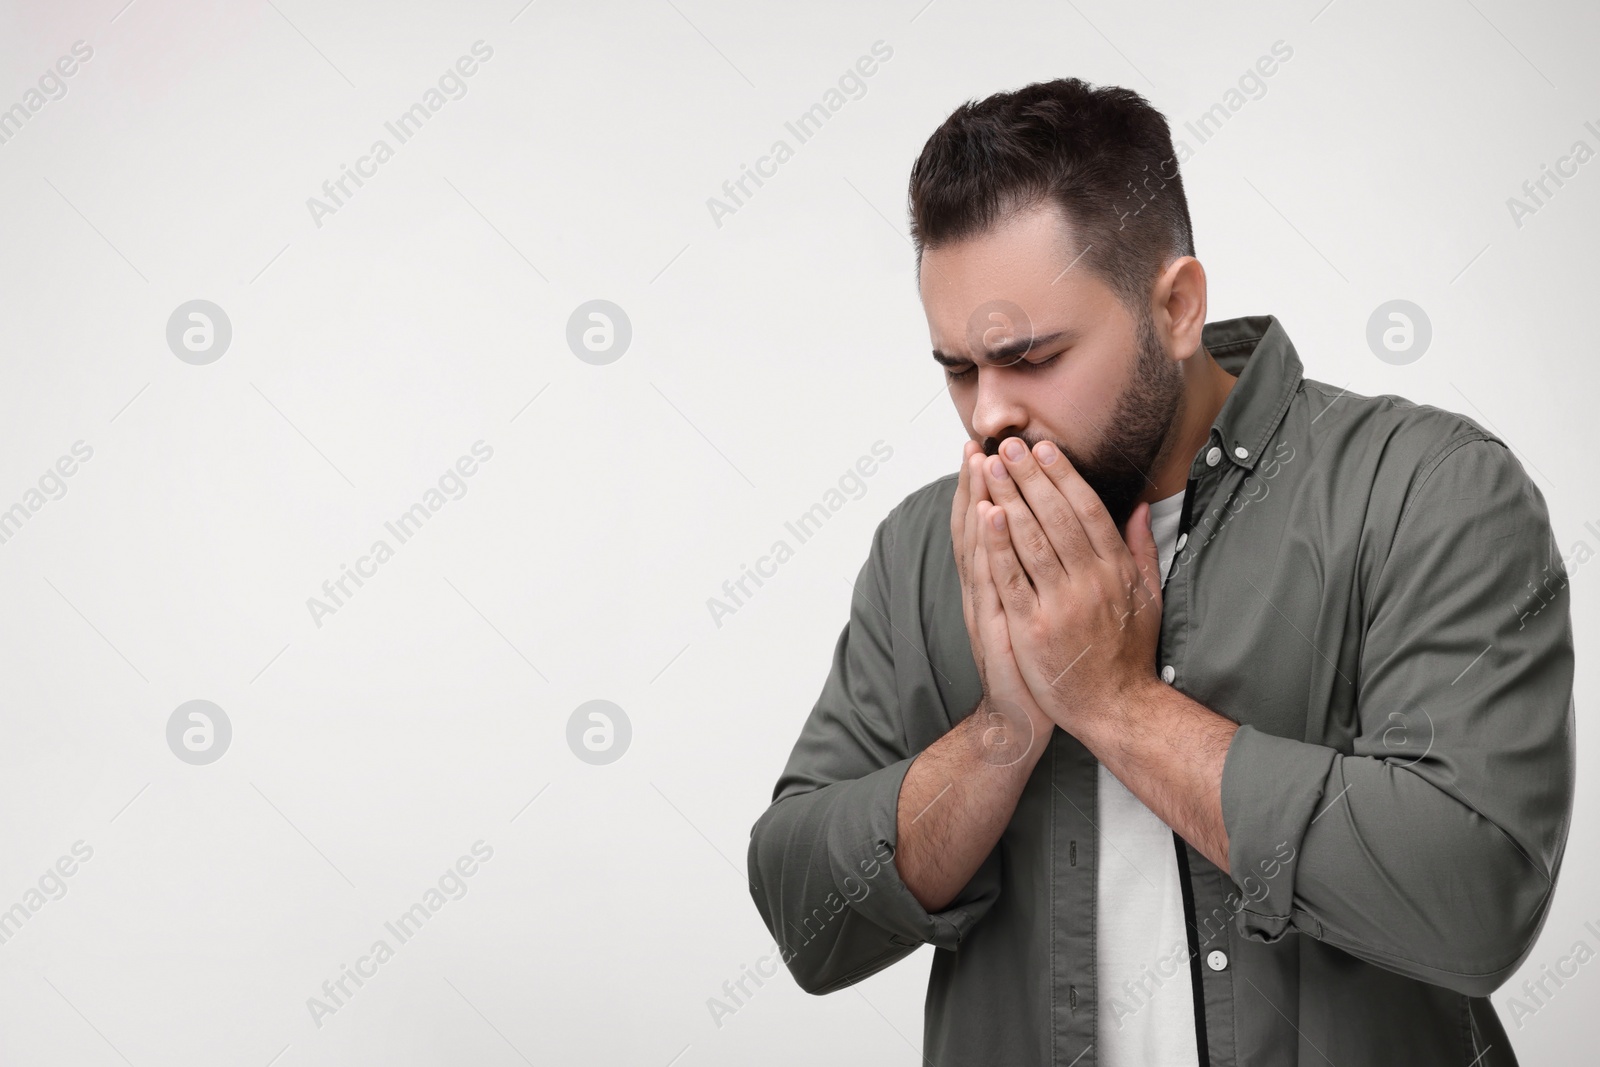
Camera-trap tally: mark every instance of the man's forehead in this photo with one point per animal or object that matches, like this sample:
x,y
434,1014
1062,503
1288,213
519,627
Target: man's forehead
x,y
975,302
1001,329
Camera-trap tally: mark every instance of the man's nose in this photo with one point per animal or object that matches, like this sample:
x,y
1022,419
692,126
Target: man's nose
x,y
999,411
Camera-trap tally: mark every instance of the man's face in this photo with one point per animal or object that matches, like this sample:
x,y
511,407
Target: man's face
x,y
1036,347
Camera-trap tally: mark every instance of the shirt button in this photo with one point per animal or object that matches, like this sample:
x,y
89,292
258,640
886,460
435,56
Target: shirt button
x,y
1168,674
1217,960
1183,539
1242,452
1213,456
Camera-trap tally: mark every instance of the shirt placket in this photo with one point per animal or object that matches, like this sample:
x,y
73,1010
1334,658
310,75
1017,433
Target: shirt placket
x,y
1074,836
1074,867
1212,481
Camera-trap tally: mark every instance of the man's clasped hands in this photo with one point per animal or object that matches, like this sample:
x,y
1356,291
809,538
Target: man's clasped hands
x,y
1063,611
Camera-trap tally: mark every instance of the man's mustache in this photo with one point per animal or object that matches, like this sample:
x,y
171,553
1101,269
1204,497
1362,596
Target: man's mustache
x,y
991,445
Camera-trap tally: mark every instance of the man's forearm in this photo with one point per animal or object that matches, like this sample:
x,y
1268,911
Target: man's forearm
x,y
1169,751
956,799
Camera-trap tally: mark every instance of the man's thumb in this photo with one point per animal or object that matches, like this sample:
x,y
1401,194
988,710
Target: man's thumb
x,y
1142,544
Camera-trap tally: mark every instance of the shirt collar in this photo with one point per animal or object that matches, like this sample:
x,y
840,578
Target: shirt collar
x,y
1258,351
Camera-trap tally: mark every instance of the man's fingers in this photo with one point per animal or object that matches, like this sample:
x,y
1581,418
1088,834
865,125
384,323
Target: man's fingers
x,y
1146,556
958,505
976,491
1093,518
1032,545
1017,596
1055,514
963,533
985,598
977,484
993,632
963,524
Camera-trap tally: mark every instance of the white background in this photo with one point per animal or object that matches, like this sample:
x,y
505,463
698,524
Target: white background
x,y
769,353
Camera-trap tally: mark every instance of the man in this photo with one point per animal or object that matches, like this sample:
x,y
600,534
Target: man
x,y
1205,715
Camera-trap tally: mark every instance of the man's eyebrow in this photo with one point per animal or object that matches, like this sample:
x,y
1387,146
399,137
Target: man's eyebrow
x,y
1009,353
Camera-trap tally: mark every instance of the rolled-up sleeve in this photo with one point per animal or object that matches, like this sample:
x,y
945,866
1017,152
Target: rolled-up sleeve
x,y
821,857
1430,848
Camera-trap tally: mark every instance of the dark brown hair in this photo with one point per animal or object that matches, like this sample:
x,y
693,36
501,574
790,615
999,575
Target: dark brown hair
x,y
1102,156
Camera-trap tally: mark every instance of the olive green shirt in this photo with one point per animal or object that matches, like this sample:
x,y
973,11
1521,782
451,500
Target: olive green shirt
x,y
1370,587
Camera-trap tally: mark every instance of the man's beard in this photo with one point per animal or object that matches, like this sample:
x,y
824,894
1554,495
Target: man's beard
x,y
1138,433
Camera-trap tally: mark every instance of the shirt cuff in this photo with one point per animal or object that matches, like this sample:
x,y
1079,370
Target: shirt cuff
x,y
1272,789
861,844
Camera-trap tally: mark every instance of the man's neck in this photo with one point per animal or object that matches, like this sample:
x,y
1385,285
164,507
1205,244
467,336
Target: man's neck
x,y
1206,387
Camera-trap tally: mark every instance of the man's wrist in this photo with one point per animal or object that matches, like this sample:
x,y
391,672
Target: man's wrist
x,y
1170,751
1003,736
1146,716
1122,713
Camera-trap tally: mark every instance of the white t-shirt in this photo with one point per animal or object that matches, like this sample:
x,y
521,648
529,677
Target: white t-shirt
x,y
1142,951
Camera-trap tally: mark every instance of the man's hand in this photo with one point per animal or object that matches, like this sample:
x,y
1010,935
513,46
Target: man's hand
x,y
1083,608
961,791
1015,723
